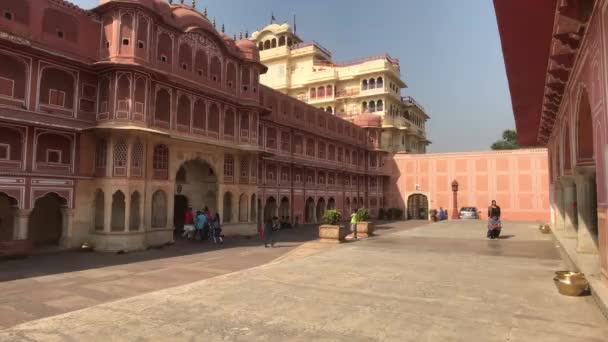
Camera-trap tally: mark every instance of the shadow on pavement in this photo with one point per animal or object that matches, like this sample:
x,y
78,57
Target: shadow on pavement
x,y
74,260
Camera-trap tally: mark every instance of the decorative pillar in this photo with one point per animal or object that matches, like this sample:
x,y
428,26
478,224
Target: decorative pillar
x,y
67,218
569,204
586,221
127,211
455,214
558,198
21,223
107,208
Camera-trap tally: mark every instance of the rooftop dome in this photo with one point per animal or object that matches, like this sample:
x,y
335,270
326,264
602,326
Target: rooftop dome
x,y
368,120
248,49
186,16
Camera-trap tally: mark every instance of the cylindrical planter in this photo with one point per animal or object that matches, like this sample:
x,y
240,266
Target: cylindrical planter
x,y
332,233
365,229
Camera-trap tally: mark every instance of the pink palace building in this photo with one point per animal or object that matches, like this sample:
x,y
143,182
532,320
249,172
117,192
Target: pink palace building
x,y
556,56
113,120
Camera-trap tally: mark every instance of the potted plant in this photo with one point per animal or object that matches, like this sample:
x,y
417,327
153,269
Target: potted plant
x,y
364,227
433,213
331,231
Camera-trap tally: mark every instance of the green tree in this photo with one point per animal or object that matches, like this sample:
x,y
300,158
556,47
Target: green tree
x,y
508,141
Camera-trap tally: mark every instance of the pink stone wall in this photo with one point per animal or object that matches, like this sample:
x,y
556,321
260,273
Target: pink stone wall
x,y
518,180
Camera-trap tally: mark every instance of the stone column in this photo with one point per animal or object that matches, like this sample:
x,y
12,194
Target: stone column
x,y
21,223
107,215
558,191
220,203
127,211
569,204
67,218
586,221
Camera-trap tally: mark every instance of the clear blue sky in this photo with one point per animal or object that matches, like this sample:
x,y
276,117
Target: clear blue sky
x,y
449,50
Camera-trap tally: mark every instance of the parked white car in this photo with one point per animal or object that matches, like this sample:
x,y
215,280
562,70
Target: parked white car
x,y
469,213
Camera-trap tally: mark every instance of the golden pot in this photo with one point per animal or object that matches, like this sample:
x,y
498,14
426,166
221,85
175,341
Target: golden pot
x,y
571,283
545,228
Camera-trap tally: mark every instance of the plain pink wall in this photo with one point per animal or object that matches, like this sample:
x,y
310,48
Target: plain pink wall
x,y
518,180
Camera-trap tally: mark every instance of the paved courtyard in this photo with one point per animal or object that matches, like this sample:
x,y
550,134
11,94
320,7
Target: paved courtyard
x,y
440,282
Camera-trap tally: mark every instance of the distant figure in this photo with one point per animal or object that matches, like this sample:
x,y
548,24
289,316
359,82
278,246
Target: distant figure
x,y
441,214
494,223
188,221
353,223
267,234
201,223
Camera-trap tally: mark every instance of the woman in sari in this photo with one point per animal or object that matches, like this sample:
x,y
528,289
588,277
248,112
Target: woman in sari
x,y
494,223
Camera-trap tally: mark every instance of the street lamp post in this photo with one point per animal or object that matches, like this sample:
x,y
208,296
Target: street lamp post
x,y
455,214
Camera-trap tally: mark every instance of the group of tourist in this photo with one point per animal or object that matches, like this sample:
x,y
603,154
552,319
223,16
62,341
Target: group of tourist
x,y
203,225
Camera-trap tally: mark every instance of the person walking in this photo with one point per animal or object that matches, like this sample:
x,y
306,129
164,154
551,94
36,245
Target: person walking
x,y
188,222
494,223
353,224
201,223
267,234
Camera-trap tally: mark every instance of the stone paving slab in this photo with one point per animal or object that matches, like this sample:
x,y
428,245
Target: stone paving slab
x,y
393,290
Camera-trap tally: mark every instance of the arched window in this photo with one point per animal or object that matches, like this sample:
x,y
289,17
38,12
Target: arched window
x,y
118,212
244,124
230,75
142,36
372,106
126,31
13,77
329,91
183,113
310,147
243,208
123,96
372,83
364,107
228,168
199,116
99,209
380,106
134,218
245,78
227,207
379,82
214,119
162,111
215,69
165,48
120,158
273,43
260,46
282,41
321,92
137,159
267,44
229,123
160,161
185,57
140,98
364,85
201,63
159,209
57,88
101,155
313,93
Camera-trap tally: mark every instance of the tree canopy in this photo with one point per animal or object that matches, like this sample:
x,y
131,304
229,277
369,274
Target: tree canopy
x,y
508,141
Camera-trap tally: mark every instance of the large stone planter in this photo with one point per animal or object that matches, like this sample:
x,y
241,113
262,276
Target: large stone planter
x,y
365,229
16,248
332,233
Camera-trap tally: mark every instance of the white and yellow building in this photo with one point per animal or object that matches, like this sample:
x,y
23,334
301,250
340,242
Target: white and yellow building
x,y
305,70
